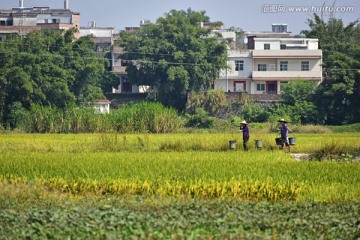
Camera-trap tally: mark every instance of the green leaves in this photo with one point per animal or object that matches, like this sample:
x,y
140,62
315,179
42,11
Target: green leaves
x,y
176,55
338,97
50,68
165,219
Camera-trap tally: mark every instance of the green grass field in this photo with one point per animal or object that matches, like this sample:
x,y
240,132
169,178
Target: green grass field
x,y
176,186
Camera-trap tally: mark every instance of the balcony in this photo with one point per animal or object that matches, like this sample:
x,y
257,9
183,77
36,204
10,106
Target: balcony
x,y
288,54
286,75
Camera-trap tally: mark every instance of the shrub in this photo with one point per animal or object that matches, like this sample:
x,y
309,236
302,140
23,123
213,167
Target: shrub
x,y
254,112
346,128
200,120
212,102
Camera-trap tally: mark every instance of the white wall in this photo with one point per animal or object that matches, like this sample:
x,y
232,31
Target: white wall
x,y
97,32
313,44
240,55
24,21
228,85
254,87
274,44
65,19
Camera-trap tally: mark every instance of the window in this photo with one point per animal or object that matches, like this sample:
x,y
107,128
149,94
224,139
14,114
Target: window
x,y
261,67
282,46
123,63
305,66
2,23
239,65
272,67
267,46
283,65
260,87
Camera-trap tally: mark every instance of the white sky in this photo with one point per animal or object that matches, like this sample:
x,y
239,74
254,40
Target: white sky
x,y
250,15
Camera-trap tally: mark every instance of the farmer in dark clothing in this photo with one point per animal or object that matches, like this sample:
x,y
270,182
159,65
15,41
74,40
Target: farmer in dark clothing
x,y
246,135
284,132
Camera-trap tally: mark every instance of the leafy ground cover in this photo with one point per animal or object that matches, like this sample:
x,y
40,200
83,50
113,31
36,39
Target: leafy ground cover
x,y
112,218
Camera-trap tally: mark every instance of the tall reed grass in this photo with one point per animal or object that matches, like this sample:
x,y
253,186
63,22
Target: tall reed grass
x,y
141,117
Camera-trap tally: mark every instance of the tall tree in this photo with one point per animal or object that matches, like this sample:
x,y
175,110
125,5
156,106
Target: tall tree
x,y
338,97
175,55
49,68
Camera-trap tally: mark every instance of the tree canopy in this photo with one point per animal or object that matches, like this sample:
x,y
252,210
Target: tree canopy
x,y
49,68
175,55
338,97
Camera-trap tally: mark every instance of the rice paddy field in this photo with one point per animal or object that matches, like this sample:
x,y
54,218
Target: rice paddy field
x,y
178,186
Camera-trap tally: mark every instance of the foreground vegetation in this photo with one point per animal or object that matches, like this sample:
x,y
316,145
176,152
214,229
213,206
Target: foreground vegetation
x,y
138,218
174,186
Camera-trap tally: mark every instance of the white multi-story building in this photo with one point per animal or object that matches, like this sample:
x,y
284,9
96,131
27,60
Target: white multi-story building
x,y
269,63
103,37
237,77
277,61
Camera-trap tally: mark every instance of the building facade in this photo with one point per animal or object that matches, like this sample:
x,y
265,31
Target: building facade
x,y
103,37
270,60
23,20
237,77
277,61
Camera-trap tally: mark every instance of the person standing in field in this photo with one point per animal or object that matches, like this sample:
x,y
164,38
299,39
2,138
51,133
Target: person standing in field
x,y
284,133
244,128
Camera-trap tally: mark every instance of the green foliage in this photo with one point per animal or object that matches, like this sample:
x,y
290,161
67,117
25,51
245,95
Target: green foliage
x,y
346,128
72,119
110,217
310,129
108,81
297,96
19,116
297,91
175,55
140,117
332,152
200,120
144,117
338,97
215,100
212,102
254,112
49,68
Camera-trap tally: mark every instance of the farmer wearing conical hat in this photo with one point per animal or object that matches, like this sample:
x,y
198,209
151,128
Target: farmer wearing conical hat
x,y
284,132
244,128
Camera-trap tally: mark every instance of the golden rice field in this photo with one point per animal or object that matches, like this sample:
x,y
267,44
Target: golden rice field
x,y
177,186
180,165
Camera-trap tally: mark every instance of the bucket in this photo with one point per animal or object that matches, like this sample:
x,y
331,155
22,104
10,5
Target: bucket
x,y
258,143
232,144
278,141
292,141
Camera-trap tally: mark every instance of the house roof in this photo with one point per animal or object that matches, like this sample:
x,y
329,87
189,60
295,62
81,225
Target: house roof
x,y
103,101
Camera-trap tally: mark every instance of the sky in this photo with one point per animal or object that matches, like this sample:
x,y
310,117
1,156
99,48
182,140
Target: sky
x,y
253,15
